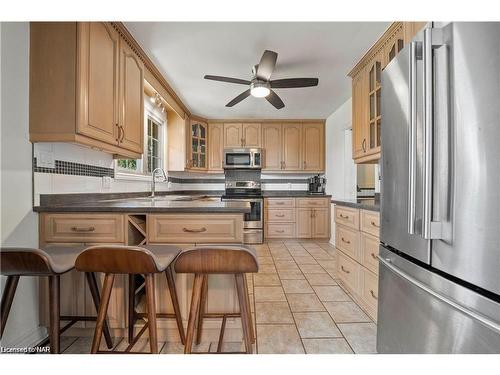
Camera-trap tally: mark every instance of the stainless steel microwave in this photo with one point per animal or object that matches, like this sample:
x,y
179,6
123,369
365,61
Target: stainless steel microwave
x,y
242,158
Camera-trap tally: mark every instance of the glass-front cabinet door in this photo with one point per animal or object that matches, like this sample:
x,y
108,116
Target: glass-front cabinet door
x,y
374,117
198,146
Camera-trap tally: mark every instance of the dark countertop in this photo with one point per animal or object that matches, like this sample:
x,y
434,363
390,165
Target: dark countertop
x,y
292,194
160,204
364,204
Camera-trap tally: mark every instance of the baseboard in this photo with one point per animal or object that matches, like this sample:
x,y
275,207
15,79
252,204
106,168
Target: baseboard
x,y
29,340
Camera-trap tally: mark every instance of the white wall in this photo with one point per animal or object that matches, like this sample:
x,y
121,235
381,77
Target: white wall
x,y
19,224
340,168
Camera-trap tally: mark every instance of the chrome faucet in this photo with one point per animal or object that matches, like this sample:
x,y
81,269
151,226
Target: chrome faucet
x,y
153,180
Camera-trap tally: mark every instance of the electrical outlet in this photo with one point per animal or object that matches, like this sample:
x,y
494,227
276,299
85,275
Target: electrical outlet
x,y
106,182
45,159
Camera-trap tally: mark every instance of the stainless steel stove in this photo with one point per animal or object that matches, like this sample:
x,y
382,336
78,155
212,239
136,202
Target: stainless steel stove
x,y
245,186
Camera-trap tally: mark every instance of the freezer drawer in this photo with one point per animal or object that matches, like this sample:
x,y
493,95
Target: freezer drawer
x,y
422,312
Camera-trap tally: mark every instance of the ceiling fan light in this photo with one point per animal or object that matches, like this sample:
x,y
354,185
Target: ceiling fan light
x,y
260,92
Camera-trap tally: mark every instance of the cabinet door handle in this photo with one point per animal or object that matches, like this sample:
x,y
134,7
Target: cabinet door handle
x,y
88,229
304,166
347,242
373,256
123,133
242,141
343,269
119,133
344,216
373,294
201,230
363,145
375,224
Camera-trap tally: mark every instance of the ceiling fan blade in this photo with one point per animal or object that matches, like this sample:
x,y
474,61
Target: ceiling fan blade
x,y
275,100
266,65
227,79
239,98
289,83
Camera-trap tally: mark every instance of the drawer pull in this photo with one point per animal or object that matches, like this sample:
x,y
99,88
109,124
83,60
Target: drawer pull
x,y
373,256
280,215
344,216
88,229
375,224
373,294
280,203
343,269
347,242
280,231
201,230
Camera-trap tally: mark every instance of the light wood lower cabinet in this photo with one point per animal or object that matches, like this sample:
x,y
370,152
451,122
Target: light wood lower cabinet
x,y
179,228
183,230
297,217
357,243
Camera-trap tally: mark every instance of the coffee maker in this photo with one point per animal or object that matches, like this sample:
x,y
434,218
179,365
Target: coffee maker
x,y
317,185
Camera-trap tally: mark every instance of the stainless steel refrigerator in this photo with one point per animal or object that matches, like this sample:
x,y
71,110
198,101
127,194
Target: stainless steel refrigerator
x,y
439,283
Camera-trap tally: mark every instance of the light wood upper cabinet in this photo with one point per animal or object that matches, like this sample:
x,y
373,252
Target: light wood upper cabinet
x,y
271,143
251,135
359,114
131,100
313,147
86,87
292,150
233,135
367,121
98,45
215,146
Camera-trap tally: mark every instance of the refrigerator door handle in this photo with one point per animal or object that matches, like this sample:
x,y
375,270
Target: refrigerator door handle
x,y
472,314
430,229
412,137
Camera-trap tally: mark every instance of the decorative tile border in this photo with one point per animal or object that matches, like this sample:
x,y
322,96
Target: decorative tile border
x,y
75,169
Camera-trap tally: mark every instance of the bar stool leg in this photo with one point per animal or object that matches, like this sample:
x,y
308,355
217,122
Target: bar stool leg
x,y
103,309
175,303
251,329
151,309
202,308
131,307
244,309
195,303
7,298
94,291
54,313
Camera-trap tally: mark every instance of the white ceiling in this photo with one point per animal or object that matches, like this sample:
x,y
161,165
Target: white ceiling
x,y
184,52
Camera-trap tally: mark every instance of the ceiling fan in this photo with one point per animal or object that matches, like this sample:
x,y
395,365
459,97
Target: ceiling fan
x,y
261,84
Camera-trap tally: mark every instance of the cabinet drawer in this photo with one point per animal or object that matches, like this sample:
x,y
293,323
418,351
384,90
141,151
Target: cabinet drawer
x,y
313,202
278,215
280,230
280,202
187,228
369,251
347,216
370,288
348,271
370,222
347,240
82,228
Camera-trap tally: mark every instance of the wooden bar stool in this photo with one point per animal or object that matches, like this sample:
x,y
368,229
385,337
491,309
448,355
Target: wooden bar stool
x,y
145,260
218,259
51,261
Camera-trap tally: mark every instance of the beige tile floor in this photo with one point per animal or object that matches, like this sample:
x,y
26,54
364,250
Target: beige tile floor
x,y
299,307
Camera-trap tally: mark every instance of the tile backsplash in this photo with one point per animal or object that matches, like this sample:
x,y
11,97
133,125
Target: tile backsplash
x,y
77,169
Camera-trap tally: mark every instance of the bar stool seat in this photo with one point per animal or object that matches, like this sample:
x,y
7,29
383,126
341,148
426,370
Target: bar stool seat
x,y
218,259
132,260
51,261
